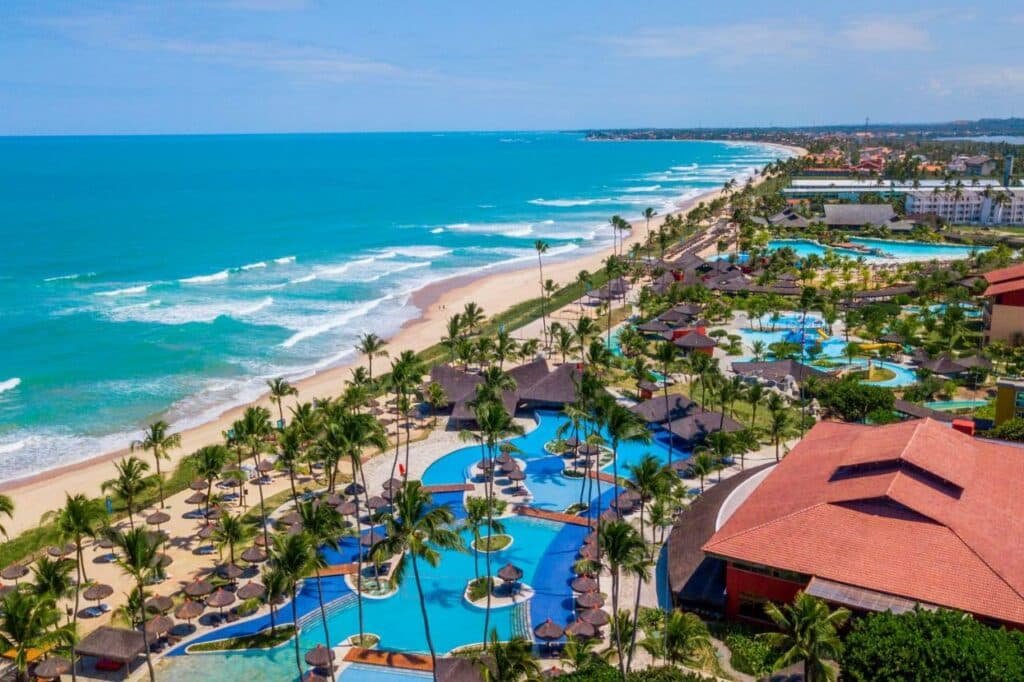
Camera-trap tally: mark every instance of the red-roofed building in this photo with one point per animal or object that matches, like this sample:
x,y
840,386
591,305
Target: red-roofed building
x,y
1004,315
882,518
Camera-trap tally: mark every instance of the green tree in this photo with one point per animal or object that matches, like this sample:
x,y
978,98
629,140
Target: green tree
x,y
808,632
372,346
6,509
541,247
131,482
622,549
252,431
414,529
157,440
30,622
280,389
231,531
684,640
324,526
509,661
138,554
295,557
52,578
209,461
480,512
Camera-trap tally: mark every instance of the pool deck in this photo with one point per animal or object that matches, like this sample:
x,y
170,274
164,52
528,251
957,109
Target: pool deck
x,y
602,476
389,659
449,488
339,569
558,517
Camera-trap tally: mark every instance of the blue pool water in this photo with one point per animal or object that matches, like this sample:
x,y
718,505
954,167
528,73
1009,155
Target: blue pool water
x,y
544,550
952,405
893,250
970,311
187,270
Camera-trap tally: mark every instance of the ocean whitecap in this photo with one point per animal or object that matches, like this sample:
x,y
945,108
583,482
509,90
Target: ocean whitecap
x,y
10,384
127,291
207,279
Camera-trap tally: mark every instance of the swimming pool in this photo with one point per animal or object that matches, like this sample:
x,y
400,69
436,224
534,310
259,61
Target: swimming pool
x,y
970,311
544,550
893,250
953,405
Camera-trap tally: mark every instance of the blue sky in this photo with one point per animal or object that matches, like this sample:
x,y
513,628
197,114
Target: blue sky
x,y
88,67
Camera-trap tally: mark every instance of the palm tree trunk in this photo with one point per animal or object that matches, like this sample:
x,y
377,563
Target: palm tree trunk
x,y
618,630
160,478
489,493
668,422
74,626
323,617
423,610
544,323
295,621
145,637
615,472
359,570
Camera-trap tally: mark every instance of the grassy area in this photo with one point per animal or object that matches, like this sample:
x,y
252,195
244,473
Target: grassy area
x,y
494,543
261,640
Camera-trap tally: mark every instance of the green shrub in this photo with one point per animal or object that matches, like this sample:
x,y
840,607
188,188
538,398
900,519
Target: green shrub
x,y
478,588
750,655
931,645
599,671
1011,429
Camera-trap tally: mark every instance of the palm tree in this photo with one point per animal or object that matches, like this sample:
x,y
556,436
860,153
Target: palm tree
x,y
472,316
77,520
684,641
231,531
157,440
131,482
808,632
754,394
649,479
279,390
648,214
622,549
290,454
407,371
252,431
138,557
509,661
30,622
505,346
6,509
480,515
295,557
324,525
372,346
414,527
578,653
541,247
780,427
209,461
436,397
665,356
52,577
622,426
276,584
702,465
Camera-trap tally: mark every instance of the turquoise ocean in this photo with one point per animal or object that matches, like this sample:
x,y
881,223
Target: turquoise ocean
x,y
146,277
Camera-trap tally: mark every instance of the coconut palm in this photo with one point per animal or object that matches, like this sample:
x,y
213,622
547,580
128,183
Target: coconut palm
x,y
622,549
808,632
436,397
472,317
252,432
279,390
684,640
52,577
208,462
622,426
131,482
157,440
295,557
578,652
505,347
372,346
6,509
231,531
754,395
702,465
324,526
289,454
780,427
414,528
480,515
509,661
138,554
541,247
276,585
30,622
648,214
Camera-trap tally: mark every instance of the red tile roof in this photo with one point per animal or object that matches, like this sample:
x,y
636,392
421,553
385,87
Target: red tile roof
x,y
913,509
1004,280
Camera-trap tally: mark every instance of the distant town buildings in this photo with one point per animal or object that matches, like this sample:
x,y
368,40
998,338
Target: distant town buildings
x,y
972,165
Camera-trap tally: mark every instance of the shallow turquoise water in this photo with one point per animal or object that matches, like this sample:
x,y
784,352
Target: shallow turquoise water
x,y
169,276
892,249
956,404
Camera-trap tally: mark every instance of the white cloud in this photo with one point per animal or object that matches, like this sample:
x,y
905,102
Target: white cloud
x,y
882,35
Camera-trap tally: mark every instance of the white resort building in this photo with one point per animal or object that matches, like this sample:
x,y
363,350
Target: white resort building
x,y
994,206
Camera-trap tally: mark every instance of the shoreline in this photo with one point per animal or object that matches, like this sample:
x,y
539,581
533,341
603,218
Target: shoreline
x,y
494,292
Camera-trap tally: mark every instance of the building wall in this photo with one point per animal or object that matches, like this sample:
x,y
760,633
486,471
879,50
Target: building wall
x,y
1006,402
742,585
1006,323
971,207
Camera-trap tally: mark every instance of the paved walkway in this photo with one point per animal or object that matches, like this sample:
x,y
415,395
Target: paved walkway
x,y
449,488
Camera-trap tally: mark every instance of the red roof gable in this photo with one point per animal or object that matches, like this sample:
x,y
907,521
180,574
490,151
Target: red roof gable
x,y
1005,274
913,509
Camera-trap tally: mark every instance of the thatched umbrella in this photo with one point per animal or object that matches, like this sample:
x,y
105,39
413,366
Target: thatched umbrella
x,y
348,508
198,588
265,466
52,668
517,477
503,458
354,488
215,513
14,572
260,541
376,502
572,443
588,450
105,543
158,518
583,584
251,590
392,484
97,592
61,551
485,465
229,572
206,532
510,573
509,467
588,552
591,538
320,656
582,629
198,484
590,600
220,599
334,499
548,631
254,555
161,560
388,495
189,610
291,518
595,617
158,626
196,498
372,538
159,604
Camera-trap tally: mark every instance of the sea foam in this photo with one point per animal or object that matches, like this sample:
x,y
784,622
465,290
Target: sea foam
x,y
10,384
127,291
207,279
